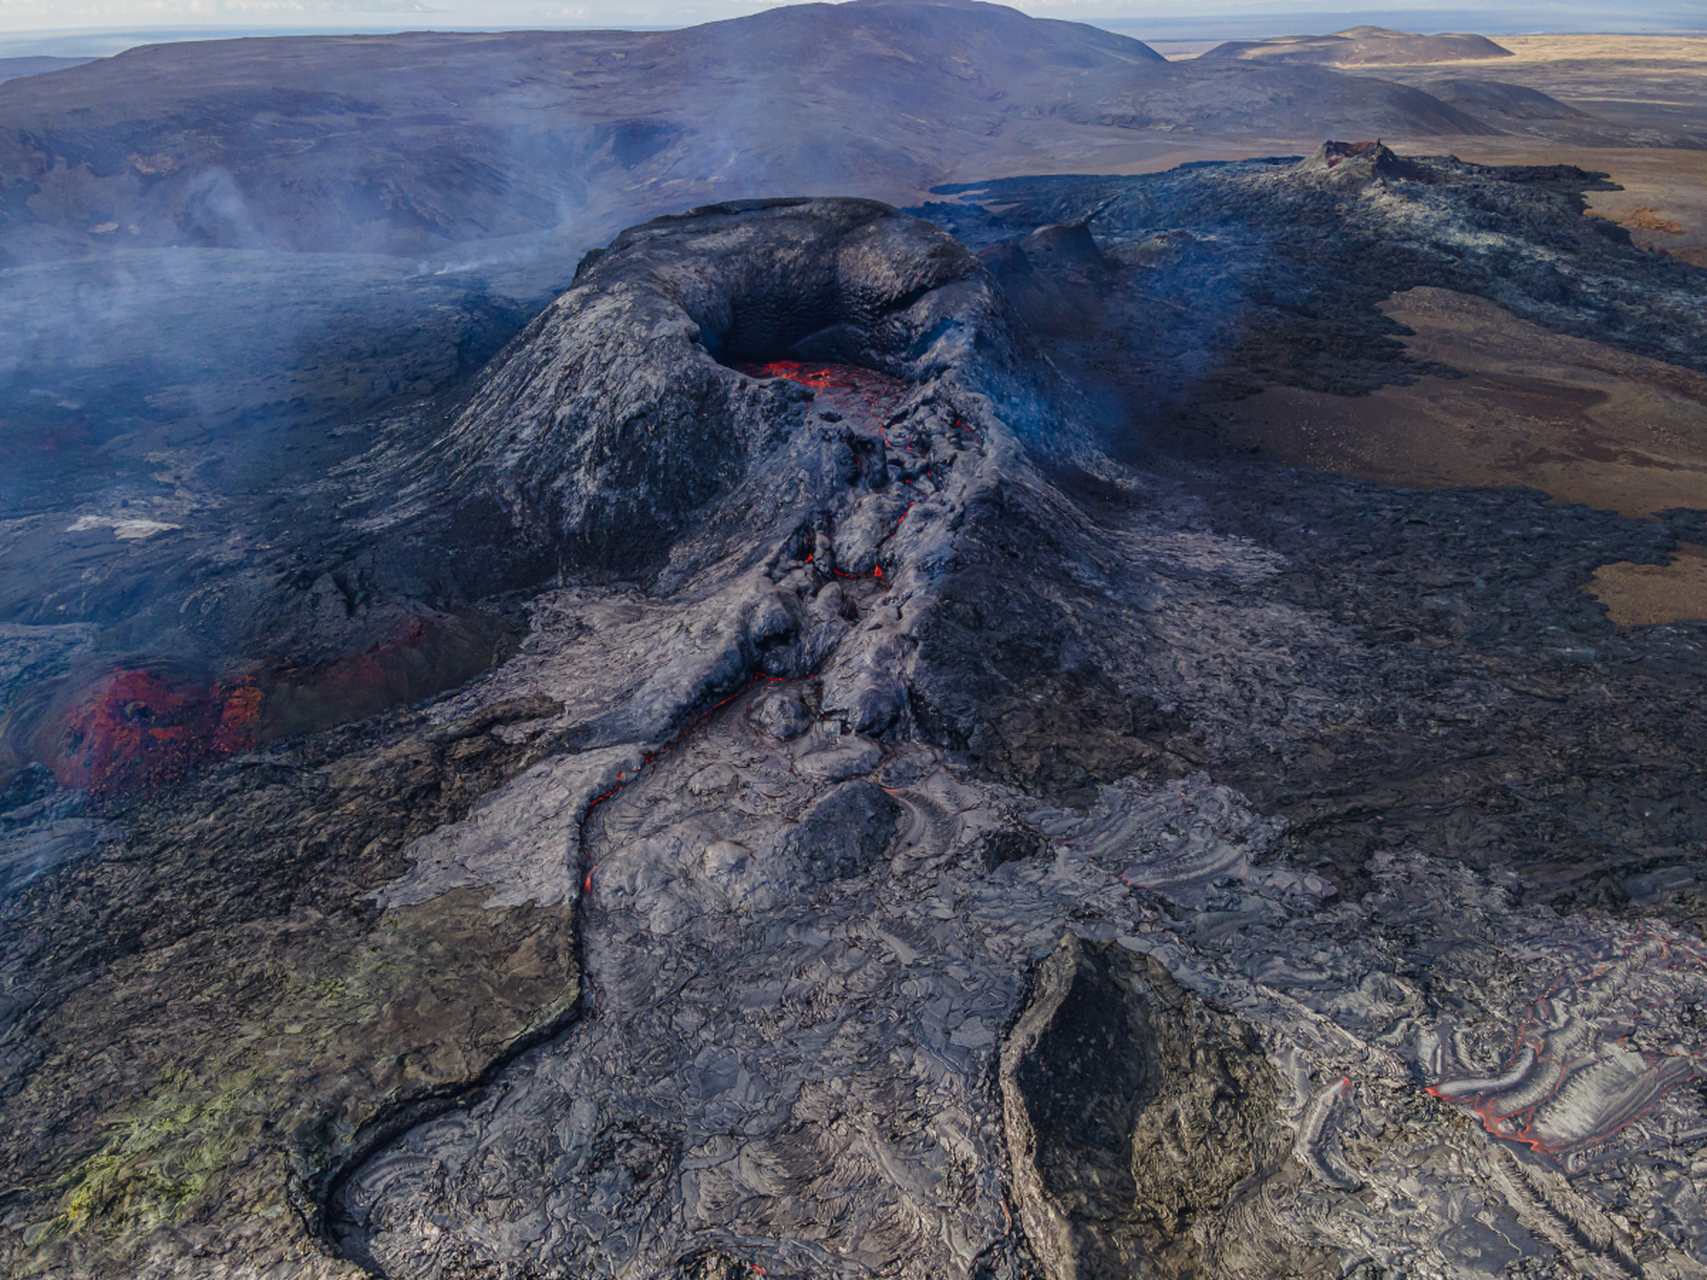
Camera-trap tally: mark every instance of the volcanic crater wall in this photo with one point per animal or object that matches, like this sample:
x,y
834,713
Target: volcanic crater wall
x,y
615,417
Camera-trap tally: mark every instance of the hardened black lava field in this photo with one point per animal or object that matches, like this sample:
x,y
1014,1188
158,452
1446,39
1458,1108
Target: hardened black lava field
x,y
924,812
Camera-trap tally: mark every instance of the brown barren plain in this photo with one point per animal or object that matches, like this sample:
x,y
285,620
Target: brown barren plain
x,y
1582,421
1643,595
1579,420
1648,93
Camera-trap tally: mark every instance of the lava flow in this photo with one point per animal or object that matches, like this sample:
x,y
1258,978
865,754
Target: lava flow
x,y
848,389
626,776
139,727
1573,1083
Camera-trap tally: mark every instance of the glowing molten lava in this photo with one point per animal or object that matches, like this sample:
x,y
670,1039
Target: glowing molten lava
x,y
140,727
849,389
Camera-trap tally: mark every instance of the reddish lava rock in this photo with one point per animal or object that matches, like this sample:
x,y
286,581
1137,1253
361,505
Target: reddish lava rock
x,y
139,728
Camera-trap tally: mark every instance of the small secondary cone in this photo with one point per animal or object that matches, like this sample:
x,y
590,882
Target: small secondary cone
x,y
1355,161
1071,242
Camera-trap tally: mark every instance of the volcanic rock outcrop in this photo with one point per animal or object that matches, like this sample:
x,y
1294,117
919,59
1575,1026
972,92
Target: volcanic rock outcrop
x,y
1131,1110
909,839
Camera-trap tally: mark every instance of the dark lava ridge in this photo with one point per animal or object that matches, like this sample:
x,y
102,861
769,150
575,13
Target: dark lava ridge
x,y
1215,280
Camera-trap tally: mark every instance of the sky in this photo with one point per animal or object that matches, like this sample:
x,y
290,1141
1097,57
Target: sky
x,y
83,27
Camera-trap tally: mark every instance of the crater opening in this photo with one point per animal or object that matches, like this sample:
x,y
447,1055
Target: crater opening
x,y
850,391
825,283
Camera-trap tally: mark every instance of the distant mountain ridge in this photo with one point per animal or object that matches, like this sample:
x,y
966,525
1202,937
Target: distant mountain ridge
x,y
35,65
1362,47
412,143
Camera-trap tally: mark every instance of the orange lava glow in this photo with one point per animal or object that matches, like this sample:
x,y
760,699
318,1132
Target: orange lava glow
x,y
136,728
849,389
859,394
828,377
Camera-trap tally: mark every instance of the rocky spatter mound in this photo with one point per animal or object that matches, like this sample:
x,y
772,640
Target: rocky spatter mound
x,y
910,935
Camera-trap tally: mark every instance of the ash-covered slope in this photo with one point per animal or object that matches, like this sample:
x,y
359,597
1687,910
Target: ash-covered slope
x,y
872,892
1519,110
